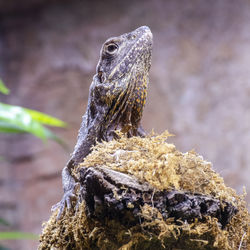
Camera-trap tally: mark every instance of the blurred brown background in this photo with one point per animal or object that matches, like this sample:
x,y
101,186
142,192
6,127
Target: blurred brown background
x,y
199,86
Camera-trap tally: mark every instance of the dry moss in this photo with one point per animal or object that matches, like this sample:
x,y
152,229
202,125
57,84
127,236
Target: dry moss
x,y
153,160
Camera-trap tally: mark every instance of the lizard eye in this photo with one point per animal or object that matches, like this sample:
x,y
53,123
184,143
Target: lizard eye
x,y
111,48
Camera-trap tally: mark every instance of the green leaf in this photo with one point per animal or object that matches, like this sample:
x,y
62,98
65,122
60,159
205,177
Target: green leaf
x,y
3,88
45,119
4,222
6,127
17,235
15,119
35,115
18,118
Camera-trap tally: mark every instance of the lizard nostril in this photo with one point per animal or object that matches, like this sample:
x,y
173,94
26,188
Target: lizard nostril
x,y
131,37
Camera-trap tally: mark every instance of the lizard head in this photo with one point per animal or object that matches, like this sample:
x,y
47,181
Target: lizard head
x,y
119,88
120,54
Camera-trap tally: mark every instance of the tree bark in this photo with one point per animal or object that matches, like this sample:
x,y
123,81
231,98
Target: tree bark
x,y
114,195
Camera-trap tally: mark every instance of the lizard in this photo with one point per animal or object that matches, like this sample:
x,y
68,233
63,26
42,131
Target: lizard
x,y
116,100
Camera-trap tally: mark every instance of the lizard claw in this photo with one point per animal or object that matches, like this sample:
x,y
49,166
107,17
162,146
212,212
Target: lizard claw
x,y
78,204
66,202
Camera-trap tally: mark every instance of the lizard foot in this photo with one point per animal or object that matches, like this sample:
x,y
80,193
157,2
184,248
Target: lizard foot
x,y
69,197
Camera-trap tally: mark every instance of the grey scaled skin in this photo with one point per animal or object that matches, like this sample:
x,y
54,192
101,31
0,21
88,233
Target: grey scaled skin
x,y
117,96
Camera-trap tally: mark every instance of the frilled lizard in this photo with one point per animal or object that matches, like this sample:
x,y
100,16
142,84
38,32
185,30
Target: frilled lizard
x,y
116,99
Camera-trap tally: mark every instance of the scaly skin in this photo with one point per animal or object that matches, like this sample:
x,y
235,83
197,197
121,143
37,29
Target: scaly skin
x,y
117,96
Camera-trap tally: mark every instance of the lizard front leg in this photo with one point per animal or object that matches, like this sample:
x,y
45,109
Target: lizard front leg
x,y
83,147
69,189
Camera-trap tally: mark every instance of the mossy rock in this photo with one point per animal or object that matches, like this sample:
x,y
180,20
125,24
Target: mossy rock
x,y
153,161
